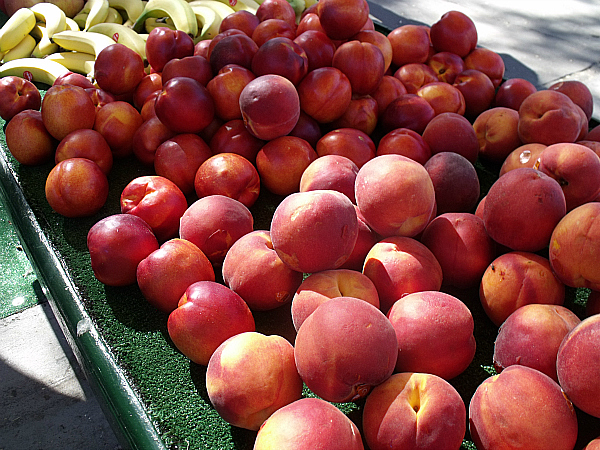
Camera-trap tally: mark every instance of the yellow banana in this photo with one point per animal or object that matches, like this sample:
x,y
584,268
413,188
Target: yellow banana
x,y
221,9
113,16
80,19
208,22
16,28
82,41
122,35
132,8
72,25
79,62
22,50
34,69
154,22
98,13
54,17
44,45
179,11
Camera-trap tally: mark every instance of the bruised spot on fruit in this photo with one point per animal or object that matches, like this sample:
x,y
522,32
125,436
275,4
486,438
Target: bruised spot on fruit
x,y
282,297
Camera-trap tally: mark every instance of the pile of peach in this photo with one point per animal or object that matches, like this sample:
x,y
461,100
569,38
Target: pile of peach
x,y
370,141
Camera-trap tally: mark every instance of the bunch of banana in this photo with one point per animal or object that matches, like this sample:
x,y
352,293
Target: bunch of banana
x,y
179,11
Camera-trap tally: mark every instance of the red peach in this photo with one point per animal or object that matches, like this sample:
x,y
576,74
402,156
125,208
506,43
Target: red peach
x,y
148,138
410,44
254,271
28,140
406,142
399,266
118,122
515,279
233,137
577,91
477,90
443,97
389,89
451,132
207,314
446,65
525,155
496,130
425,344
512,92
325,94
341,19
66,108
225,89
362,63
314,230
333,172
454,32
361,115
85,143
165,274
488,62
318,47
344,348
354,144
365,240
415,75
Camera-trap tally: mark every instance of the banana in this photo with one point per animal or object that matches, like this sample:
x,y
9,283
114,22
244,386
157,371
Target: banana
x,y
22,50
82,41
154,22
72,25
44,45
122,35
79,62
208,22
179,11
54,17
221,9
17,27
113,16
132,8
80,19
98,13
39,70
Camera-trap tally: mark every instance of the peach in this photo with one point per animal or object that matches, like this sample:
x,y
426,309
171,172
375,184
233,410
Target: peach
x,y
116,245
426,344
270,106
577,91
28,140
593,134
193,66
548,117
512,92
271,28
298,426
446,65
362,62
240,20
158,201
235,48
362,114
576,168
415,75
150,84
118,69
451,132
398,266
594,444
207,314
66,108
225,89
281,163
496,130
574,251
179,158
214,223
76,187
322,286
455,182
318,47
253,270
414,410
341,19
333,172
250,376
325,94
380,40
525,155
477,89
577,364
515,279
522,408
85,143
281,56
395,195
314,230
407,111
488,62
406,142
117,122
349,142
522,208
454,32
410,44
461,245
308,129
443,97
233,137
148,137
531,336
228,174
344,348
165,274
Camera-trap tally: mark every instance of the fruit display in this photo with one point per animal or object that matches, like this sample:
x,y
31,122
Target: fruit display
x,y
293,228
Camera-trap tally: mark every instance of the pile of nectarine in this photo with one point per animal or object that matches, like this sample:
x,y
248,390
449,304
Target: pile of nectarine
x,y
371,148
